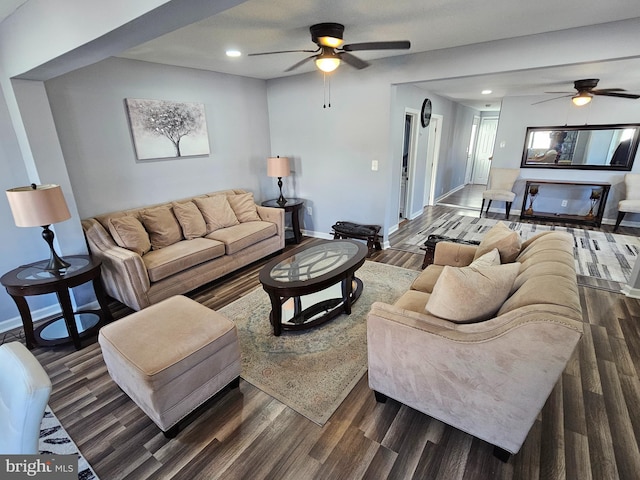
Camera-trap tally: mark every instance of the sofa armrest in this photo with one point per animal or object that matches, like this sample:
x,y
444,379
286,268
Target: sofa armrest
x,y
454,254
123,272
273,215
490,379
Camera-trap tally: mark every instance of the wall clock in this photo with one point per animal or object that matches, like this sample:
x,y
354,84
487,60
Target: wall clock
x,y
425,116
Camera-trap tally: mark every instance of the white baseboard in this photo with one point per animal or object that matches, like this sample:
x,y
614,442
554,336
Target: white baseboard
x,y
630,292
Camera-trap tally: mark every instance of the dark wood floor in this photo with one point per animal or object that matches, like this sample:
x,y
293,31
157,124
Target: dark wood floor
x,y
588,429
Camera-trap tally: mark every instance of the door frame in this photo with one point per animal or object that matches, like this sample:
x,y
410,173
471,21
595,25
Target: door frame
x,y
414,116
433,155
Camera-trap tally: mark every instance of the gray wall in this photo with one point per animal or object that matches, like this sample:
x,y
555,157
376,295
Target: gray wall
x,y
518,113
90,115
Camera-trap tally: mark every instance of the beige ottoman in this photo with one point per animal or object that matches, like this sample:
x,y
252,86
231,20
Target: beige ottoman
x,y
172,357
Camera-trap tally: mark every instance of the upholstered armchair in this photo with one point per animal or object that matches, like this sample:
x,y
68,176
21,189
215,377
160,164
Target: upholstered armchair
x,y
500,188
631,202
24,392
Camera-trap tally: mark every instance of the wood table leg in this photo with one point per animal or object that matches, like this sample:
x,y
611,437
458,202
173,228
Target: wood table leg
x,y
98,288
276,314
69,317
27,321
347,289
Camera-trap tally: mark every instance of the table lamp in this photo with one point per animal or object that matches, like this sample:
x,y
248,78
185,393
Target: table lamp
x,y
40,206
278,167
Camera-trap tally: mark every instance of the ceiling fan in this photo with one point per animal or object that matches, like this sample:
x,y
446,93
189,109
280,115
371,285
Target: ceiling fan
x,y
586,89
331,51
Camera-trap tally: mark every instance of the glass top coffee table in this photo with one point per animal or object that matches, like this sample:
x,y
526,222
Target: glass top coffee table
x,y
313,284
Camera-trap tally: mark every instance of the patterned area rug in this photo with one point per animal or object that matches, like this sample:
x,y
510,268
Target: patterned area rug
x,y
312,371
602,255
54,440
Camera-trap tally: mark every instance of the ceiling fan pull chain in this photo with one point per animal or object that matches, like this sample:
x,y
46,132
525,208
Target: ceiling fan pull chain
x,y
329,85
324,90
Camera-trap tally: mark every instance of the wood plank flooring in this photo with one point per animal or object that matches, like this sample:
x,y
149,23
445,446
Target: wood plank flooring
x,y
588,429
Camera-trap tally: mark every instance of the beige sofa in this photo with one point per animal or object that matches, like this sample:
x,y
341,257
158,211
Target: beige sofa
x,y
154,252
488,376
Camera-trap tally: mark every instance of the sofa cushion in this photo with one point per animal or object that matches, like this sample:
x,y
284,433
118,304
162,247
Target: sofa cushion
x,y
244,207
181,256
427,279
217,212
129,233
241,236
190,220
507,242
162,225
471,294
413,300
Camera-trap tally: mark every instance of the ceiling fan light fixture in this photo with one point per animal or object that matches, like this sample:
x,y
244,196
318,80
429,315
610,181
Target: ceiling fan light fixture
x,y
581,99
332,42
327,61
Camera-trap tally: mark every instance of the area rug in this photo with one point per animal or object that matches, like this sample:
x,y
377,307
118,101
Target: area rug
x,y
312,371
603,255
54,440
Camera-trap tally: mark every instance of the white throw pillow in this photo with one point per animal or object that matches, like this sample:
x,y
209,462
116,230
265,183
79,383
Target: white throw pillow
x,y
471,294
489,259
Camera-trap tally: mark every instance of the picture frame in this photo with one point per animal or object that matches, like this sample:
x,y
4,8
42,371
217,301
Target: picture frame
x,y
167,129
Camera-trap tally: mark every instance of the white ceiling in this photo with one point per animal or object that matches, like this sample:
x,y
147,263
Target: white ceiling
x,y
7,7
271,25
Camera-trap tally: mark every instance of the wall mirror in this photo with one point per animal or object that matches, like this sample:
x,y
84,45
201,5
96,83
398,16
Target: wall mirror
x,y
587,147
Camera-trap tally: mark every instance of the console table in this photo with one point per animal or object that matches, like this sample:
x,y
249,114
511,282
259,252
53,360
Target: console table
x,y
576,197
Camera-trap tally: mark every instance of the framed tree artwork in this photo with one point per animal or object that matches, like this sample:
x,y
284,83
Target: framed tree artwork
x,y
165,129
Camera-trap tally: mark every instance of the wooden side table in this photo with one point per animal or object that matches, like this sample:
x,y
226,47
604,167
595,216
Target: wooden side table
x,y
32,279
293,206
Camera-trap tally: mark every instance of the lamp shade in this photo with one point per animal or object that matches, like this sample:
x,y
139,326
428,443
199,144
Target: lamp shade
x,y
39,206
278,167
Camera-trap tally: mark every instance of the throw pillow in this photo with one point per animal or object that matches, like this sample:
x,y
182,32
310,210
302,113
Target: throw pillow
x,y
471,294
190,220
162,225
217,212
244,206
489,259
129,233
507,242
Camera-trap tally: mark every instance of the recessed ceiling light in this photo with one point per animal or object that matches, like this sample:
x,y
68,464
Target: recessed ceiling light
x,y
486,92
233,53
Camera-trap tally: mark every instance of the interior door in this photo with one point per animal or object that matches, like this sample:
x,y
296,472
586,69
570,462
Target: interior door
x,y
484,149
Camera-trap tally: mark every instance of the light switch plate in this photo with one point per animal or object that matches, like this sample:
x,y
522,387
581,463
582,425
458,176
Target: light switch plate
x,y
374,165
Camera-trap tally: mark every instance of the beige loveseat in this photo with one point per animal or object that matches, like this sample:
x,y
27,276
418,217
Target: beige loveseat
x,y
490,375
154,252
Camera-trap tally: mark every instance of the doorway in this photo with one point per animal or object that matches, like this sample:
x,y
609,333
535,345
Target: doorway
x,y
484,149
471,149
433,153
407,164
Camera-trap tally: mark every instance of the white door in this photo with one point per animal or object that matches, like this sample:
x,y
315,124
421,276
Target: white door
x,y
433,153
407,164
484,149
471,149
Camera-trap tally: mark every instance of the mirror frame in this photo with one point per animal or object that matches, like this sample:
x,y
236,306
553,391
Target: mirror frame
x,y
632,153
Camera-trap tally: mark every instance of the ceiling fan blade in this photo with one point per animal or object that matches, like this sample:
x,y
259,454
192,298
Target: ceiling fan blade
x,y
554,98
300,63
397,45
282,51
353,60
600,90
614,94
